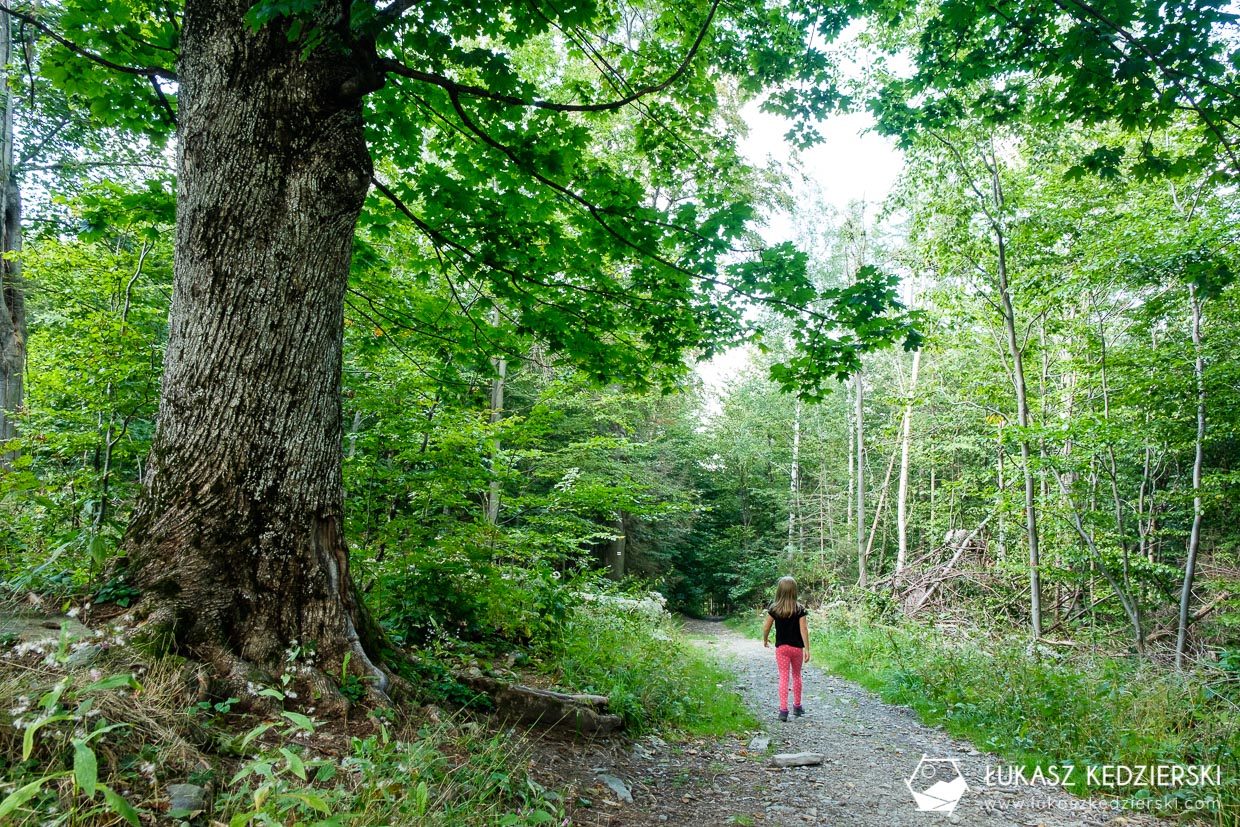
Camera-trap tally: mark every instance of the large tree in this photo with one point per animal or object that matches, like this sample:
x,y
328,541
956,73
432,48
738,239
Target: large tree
x,y
237,545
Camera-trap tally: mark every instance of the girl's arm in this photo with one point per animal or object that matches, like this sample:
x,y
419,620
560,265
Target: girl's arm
x,y
805,636
766,631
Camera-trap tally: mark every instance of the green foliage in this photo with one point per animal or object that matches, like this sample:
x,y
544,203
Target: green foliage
x,y
626,649
1049,709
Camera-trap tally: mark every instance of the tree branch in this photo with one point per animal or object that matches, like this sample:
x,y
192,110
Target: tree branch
x,y
152,72
455,88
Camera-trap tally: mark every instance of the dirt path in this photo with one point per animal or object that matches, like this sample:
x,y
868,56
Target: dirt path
x,y
870,748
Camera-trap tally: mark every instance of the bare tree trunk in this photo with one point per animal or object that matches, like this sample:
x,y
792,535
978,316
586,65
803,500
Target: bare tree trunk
x,y
615,550
860,508
852,457
1016,354
794,482
1194,539
497,411
905,446
12,292
1133,598
237,544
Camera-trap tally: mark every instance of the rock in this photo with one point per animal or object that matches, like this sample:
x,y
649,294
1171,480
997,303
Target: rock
x,y
84,656
187,798
797,759
617,786
759,744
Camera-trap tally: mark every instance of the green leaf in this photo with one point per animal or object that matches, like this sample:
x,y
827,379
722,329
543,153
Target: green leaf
x,y
21,795
300,721
120,806
85,768
295,765
28,735
113,682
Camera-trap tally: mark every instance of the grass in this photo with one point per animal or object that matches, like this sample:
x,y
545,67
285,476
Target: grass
x,y
1045,711
653,677
99,745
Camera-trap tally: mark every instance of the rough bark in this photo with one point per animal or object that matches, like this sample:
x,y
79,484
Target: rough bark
x,y
236,545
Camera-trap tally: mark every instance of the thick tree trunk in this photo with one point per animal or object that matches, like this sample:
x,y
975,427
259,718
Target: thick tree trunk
x,y
237,545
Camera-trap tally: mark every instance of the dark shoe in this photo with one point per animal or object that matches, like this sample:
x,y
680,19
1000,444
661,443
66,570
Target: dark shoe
x,y
783,714
798,711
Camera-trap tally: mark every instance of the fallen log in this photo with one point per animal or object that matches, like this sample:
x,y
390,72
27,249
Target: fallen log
x,y
580,714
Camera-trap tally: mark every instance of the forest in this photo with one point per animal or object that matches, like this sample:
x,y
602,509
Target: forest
x,y
351,350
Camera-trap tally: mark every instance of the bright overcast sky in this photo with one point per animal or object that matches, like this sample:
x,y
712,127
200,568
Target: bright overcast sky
x,y
849,165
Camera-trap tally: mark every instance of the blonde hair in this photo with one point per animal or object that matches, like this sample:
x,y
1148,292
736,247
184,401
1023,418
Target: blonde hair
x,y
785,604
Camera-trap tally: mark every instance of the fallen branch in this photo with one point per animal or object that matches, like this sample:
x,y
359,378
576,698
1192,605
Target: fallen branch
x,y
581,714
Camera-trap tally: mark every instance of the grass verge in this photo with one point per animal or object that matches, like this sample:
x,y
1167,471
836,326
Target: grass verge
x,y
1050,710
653,677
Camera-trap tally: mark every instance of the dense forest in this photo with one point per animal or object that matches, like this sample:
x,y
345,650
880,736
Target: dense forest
x,y
377,327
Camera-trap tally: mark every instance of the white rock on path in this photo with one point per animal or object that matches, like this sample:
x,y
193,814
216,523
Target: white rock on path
x,y
797,759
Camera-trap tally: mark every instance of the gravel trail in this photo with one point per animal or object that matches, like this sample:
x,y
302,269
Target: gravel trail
x,y
871,748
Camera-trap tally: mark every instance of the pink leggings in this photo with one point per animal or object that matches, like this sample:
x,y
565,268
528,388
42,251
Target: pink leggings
x,y
789,659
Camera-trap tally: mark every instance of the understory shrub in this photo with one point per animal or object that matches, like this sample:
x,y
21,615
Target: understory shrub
x,y
640,660
1045,709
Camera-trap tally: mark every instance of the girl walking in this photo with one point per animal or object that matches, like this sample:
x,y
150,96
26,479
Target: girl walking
x,y
791,642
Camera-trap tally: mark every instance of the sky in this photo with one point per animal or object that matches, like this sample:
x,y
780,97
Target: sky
x,y
849,165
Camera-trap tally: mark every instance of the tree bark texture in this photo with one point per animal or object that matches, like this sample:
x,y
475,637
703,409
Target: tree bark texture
x,y
237,543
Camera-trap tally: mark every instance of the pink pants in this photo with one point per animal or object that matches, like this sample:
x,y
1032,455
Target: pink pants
x,y
789,659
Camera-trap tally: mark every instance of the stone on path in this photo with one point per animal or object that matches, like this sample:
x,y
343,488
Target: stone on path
x,y
759,744
186,798
618,787
797,759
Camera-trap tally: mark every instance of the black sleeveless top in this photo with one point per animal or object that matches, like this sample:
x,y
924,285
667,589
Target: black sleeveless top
x,y
788,629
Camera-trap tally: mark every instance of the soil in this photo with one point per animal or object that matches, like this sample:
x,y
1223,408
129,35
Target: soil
x,y
870,749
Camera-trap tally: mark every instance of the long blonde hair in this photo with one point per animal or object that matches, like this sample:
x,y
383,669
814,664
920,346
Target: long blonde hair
x,y
785,604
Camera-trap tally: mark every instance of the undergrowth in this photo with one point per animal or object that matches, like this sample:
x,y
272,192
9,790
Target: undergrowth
x,y
98,740
1052,709
634,654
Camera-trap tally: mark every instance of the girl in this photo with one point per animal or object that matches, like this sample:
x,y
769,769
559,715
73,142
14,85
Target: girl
x,y
791,642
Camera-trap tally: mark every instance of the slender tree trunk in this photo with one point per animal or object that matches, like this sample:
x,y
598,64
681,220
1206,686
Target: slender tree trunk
x,y
852,457
1016,354
906,439
237,543
497,411
1133,599
616,549
794,482
859,399
1194,538
12,293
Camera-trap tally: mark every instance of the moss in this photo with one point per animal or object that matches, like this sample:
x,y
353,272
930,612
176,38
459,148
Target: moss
x,y
155,639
